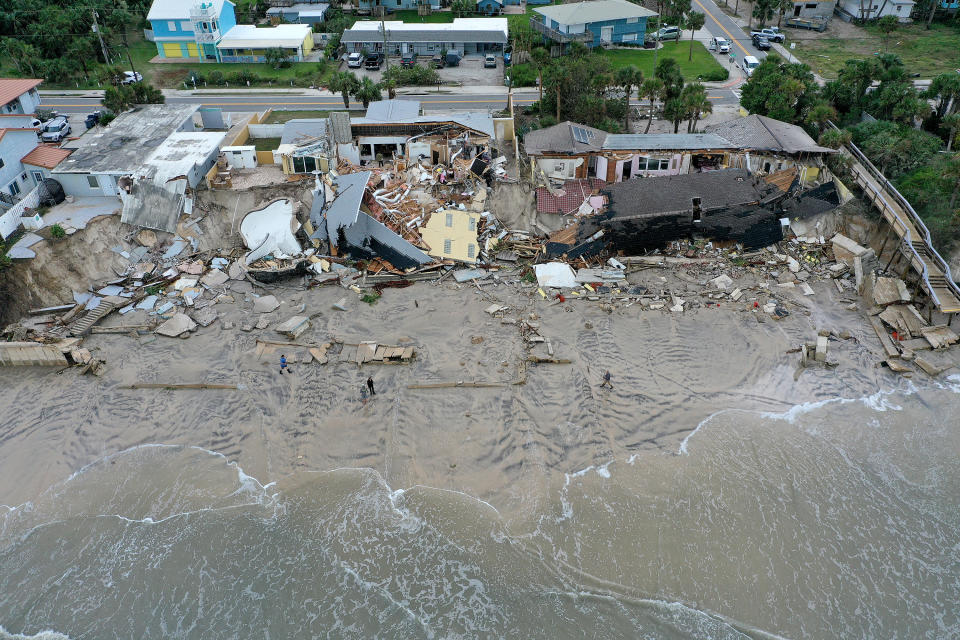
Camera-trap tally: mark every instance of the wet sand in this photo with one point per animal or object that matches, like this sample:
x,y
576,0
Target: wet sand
x,y
670,372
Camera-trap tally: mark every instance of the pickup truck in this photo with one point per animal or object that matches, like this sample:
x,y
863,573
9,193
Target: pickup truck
x,y
373,61
816,23
772,34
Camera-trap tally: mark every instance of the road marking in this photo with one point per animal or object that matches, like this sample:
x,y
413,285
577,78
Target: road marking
x,y
324,104
720,24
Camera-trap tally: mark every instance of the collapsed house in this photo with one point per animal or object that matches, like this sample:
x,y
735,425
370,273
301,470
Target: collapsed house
x,y
395,130
726,205
338,219
756,143
764,145
304,146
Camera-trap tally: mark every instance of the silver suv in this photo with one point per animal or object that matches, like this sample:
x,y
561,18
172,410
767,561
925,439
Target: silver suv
x,y
55,130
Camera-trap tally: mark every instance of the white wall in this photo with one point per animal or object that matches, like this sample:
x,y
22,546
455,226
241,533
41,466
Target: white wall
x,y
75,184
11,219
244,157
265,130
560,167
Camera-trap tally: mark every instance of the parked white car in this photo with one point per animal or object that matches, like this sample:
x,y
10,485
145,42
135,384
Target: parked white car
x,y
129,77
55,130
354,61
720,45
750,63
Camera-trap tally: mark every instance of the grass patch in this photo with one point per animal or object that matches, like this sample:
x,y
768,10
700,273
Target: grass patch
x,y
922,51
282,116
265,144
437,17
702,65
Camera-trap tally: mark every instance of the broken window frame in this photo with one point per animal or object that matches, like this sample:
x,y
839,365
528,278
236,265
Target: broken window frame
x,y
447,246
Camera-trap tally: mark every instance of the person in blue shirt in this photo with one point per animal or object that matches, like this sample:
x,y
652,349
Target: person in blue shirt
x,y
283,365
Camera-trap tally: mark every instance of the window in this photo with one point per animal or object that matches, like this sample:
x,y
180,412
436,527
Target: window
x,y
629,37
213,25
304,164
471,250
447,246
171,25
93,182
186,25
14,188
473,224
653,164
449,221
632,20
558,166
811,5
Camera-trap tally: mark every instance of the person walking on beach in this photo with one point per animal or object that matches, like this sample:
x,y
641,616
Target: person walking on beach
x,y
606,380
283,365
370,386
363,395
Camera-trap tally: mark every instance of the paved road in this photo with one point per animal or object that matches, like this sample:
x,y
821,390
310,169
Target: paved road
x,y
720,24
262,101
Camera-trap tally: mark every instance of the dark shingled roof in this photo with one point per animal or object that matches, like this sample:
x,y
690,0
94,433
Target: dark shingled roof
x,y
716,189
560,139
766,134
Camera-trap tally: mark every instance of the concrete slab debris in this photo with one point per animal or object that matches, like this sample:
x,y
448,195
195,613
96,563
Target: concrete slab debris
x,y
179,324
146,238
111,290
265,304
821,353
807,289
340,305
293,327
214,278
175,249
889,291
558,275
13,354
496,308
723,281
205,317
466,275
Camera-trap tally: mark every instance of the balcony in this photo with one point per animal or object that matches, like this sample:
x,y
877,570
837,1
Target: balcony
x,y
559,36
204,18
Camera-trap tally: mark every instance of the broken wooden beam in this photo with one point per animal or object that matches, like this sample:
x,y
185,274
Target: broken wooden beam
x,y
540,360
120,329
885,341
172,386
450,385
56,309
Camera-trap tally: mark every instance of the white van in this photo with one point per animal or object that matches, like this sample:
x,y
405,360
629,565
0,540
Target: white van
x,y
749,64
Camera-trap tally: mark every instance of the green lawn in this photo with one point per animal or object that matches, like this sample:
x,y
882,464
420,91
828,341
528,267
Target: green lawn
x,y
282,116
410,15
702,64
265,144
925,52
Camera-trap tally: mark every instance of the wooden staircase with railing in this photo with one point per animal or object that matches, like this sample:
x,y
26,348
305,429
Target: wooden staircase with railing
x,y
914,243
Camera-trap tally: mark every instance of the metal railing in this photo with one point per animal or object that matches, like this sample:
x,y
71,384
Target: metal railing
x,y
918,224
559,36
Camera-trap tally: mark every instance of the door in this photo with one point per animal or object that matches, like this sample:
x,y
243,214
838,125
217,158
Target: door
x,y
108,186
606,34
37,176
796,10
192,50
172,50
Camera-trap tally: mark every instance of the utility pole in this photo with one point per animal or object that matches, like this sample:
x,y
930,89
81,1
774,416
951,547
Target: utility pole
x,y
96,30
383,30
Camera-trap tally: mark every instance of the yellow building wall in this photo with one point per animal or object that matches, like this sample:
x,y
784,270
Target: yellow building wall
x,y
308,43
454,241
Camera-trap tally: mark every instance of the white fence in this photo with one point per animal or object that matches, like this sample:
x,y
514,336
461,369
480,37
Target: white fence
x,y
11,219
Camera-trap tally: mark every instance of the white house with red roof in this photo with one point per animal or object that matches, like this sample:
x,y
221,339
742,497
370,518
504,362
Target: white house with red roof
x,y
24,161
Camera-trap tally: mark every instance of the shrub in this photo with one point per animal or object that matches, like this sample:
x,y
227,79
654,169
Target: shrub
x,y
107,117
242,77
56,231
717,75
216,77
523,75
371,298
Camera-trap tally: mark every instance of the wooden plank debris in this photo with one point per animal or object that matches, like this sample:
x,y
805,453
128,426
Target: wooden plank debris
x,y
885,341
940,336
889,291
172,386
450,385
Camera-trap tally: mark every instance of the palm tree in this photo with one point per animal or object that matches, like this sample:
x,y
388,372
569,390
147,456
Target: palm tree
x,y
952,123
694,22
694,97
783,6
651,89
344,83
952,171
541,60
628,77
367,91
820,113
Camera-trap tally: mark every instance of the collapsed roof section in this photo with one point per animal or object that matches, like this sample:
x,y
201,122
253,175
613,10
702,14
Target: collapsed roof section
x,y
338,219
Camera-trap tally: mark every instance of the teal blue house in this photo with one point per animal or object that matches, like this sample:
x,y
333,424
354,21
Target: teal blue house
x,y
190,28
593,23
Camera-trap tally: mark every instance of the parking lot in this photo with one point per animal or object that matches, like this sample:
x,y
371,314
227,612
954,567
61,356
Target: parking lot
x,y
470,72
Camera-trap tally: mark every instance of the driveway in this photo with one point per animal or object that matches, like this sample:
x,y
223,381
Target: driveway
x,y
470,72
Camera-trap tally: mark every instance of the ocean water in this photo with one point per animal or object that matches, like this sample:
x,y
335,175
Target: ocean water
x,y
836,519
